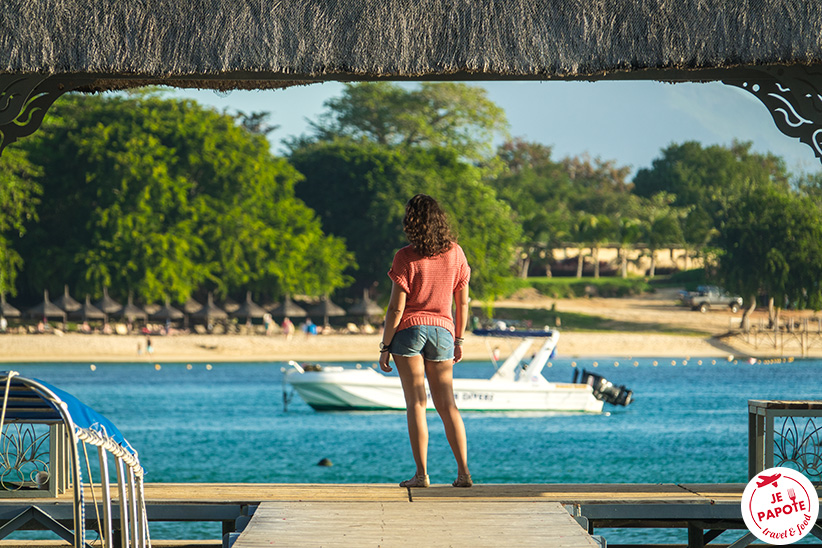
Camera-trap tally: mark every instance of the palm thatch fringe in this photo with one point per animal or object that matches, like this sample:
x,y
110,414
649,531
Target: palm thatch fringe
x,y
301,40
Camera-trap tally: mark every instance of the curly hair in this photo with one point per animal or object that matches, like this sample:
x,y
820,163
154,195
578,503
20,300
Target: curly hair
x,y
426,226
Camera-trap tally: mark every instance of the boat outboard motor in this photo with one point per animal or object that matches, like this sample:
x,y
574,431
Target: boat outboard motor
x,y
605,390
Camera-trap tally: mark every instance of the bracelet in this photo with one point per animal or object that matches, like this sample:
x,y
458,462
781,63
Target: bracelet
x,y
384,347
458,341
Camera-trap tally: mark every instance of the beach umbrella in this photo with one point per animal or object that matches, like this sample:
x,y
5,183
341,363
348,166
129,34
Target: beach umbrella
x,y
230,305
131,311
366,307
326,308
288,309
46,309
107,304
66,302
88,311
191,306
209,311
151,308
249,309
167,312
6,309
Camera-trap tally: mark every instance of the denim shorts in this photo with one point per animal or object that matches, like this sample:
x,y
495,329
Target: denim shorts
x,y
434,343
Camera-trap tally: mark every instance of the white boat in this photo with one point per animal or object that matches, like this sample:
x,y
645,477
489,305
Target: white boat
x,y
517,385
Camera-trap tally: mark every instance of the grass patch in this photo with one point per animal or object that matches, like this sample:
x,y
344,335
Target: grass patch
x,y
569,288
537,318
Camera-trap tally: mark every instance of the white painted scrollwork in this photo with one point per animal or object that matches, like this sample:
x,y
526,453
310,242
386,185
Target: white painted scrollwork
x,y
792,96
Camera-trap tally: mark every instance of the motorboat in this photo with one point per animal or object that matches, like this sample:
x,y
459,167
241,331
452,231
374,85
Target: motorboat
x,y
517,384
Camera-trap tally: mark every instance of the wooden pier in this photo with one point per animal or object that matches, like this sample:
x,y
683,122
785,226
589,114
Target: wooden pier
x,y
365,515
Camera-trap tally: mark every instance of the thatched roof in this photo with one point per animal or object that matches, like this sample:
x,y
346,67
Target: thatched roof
x,y
267,43
289,309
131,311
46,309
191,306
107,304
66,302
249,309
326,308
209,311
88,311
167,312
366,307
6,309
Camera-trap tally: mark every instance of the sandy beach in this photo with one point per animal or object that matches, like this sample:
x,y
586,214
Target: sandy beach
x,y
363,348
649,312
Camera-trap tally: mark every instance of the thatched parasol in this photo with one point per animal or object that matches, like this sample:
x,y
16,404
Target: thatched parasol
x,y
288,309
167,312
209,311
6,309
107,304
366,307
131,311
230,305
66,302
249,309
191,306
46,309
90,312
326,308
152,308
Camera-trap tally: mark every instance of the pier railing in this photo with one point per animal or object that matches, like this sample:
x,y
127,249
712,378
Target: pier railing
x,y
796,335
785,433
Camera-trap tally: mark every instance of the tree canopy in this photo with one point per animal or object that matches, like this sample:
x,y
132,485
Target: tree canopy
x,y
162,197
19,196
771,244
447,115
359,189
165,198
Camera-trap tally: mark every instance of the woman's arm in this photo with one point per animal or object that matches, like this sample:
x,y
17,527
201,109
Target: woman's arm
x,y
396,306
460,320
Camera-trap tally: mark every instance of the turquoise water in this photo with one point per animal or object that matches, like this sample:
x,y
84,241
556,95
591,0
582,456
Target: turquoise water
x,y
688,424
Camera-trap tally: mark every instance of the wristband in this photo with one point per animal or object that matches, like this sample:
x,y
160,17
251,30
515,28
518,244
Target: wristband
x,y
458,341
384,347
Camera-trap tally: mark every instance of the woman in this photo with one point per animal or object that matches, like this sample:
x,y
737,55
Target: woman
x,y
420,334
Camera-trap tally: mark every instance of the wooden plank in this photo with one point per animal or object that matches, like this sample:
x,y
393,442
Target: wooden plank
x,y
434,524
253,493
258,492
718,492
6,543
564,493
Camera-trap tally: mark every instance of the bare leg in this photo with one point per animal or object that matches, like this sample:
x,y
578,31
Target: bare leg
x,y
412,375
440,380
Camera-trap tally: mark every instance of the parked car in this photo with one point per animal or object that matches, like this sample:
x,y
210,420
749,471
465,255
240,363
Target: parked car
x,y
711,296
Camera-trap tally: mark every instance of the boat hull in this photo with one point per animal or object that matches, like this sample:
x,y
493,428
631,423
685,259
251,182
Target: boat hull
x,y
366,389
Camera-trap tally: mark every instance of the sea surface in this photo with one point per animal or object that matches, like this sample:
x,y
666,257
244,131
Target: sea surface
x,y
226,422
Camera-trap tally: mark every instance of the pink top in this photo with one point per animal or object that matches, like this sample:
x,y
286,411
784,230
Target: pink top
x,y
430,283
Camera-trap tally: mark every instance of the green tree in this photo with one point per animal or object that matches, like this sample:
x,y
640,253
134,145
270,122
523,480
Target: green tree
x,y
628,233
19,196
708,180
771,243
448,115
539,191
661,224
593,230
163,197
359,189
